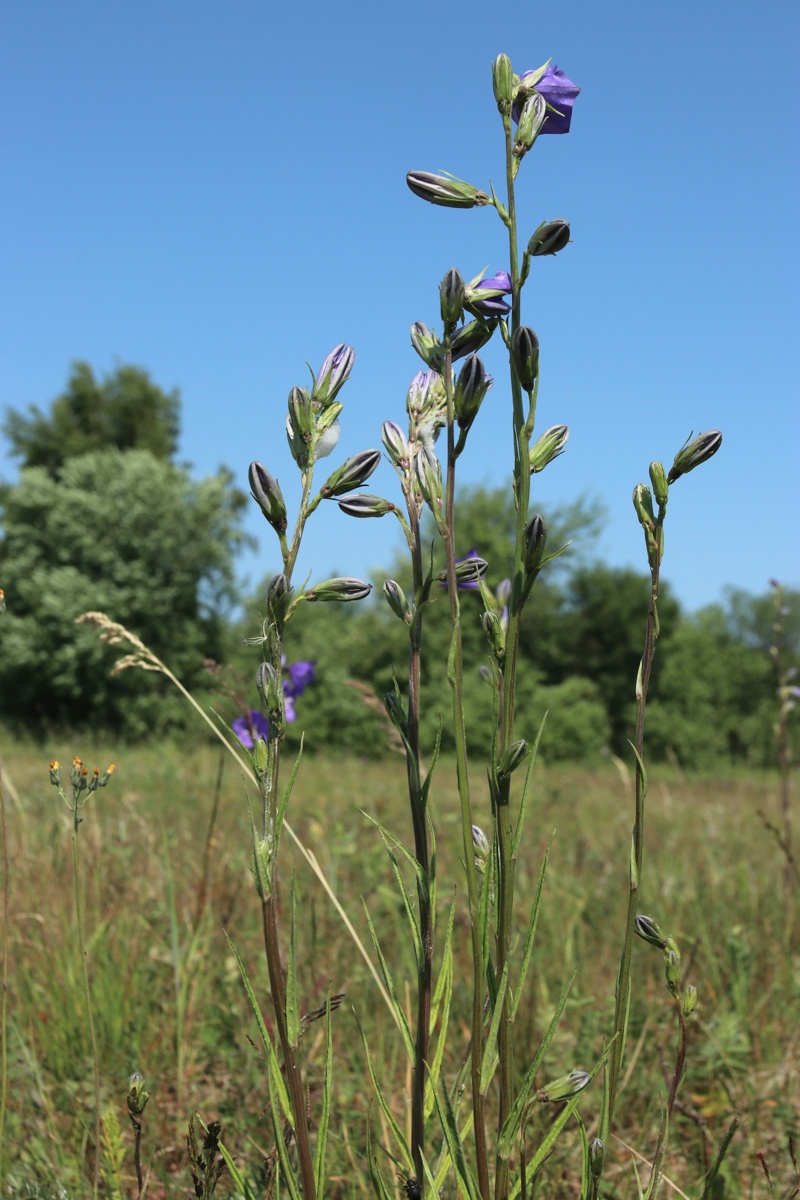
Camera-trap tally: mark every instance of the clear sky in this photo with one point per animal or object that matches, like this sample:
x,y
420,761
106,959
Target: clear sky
x,y
215,191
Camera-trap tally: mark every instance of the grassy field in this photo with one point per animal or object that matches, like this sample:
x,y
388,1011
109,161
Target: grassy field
x,y
164,882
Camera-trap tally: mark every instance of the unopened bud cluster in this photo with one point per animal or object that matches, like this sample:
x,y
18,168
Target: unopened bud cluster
x,y
651,932
81,779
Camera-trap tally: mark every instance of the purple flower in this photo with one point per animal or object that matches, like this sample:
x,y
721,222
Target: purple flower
x,y
253,726
558,91
301,674
484,299
468,584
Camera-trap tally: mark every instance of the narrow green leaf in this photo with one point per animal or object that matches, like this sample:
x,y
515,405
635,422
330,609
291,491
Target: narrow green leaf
x,y
325,1112
442,996
379,1185
508,1133
408,904
280,1141
526,790
643,776
400,1015
531,935
586,1175
262,1029
238,1178
489,1052
450,1130
708,1187
397,1133
389,837
292,1003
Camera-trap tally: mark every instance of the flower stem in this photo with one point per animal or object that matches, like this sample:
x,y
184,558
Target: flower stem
x,y
87,990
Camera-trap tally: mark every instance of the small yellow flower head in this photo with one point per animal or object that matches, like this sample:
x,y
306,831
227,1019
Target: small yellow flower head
x,y
55,773
106,776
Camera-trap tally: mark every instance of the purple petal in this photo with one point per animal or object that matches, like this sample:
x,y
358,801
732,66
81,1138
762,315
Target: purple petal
x,y
254,725
288,706
559,92
301,674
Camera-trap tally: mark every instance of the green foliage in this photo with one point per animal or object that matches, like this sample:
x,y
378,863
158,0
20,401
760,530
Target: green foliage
x,y
125,410
130,535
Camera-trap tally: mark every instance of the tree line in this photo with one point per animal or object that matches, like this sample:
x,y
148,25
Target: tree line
x,y
102,517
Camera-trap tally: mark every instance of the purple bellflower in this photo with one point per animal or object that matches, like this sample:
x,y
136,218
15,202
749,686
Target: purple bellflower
x,y
252,727
485,298
560,94
467,585
301,674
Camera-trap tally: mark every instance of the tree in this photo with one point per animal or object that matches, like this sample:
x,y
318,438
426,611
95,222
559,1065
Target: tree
x,y
125,410
136,537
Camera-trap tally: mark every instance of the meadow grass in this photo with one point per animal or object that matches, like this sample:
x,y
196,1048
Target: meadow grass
x,y
162,888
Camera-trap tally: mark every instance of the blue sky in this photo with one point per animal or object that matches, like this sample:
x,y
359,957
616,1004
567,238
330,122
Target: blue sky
x,y
216,192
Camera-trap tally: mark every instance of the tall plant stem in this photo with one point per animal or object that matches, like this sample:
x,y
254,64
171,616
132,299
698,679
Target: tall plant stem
x,y
88,994
421,850
456,677
4,986
637,853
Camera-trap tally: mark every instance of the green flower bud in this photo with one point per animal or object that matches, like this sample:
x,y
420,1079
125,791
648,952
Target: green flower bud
x,y
695,452
495,632
643,503
535,540
481,848
270,689
268,496
650,931
563,1088
396,599
471,386
531,120
470,338
427,345
137,1096
428,477
55,773
301,413
365,505
342,589
451,297
351,474
503,82
549,238
446,190
468,571
658,478
597,1153
672,970
333,374
548,446
525,356
395,444
278,596
689,1000
512,757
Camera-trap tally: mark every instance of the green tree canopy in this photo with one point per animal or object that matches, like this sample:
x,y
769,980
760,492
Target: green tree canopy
x,y
125,410
128,534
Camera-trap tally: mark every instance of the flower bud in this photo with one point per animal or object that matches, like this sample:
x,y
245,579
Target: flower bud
x,y
365,505
451,297
268,496
643,503
495,632
301,413
105,778
525,356
481,848
427,346
597,1153
137,1096
55,773
278,596
502,593
548,446
342,589
394,709
672,970
333,374
512,757
471,386
689,1000
395,444
503,82
428,477
531,120
563,1088
94,782
549,238
470,338
351,474
469,571
445,190
270,688
396,599
658,478
695,452
650,931
535,538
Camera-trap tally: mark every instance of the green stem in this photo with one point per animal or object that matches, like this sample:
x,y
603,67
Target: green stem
x,y
624,975
87,991
4,987
462,774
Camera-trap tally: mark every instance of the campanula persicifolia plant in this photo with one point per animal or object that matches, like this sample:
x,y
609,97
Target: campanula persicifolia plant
x,y
479,1130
